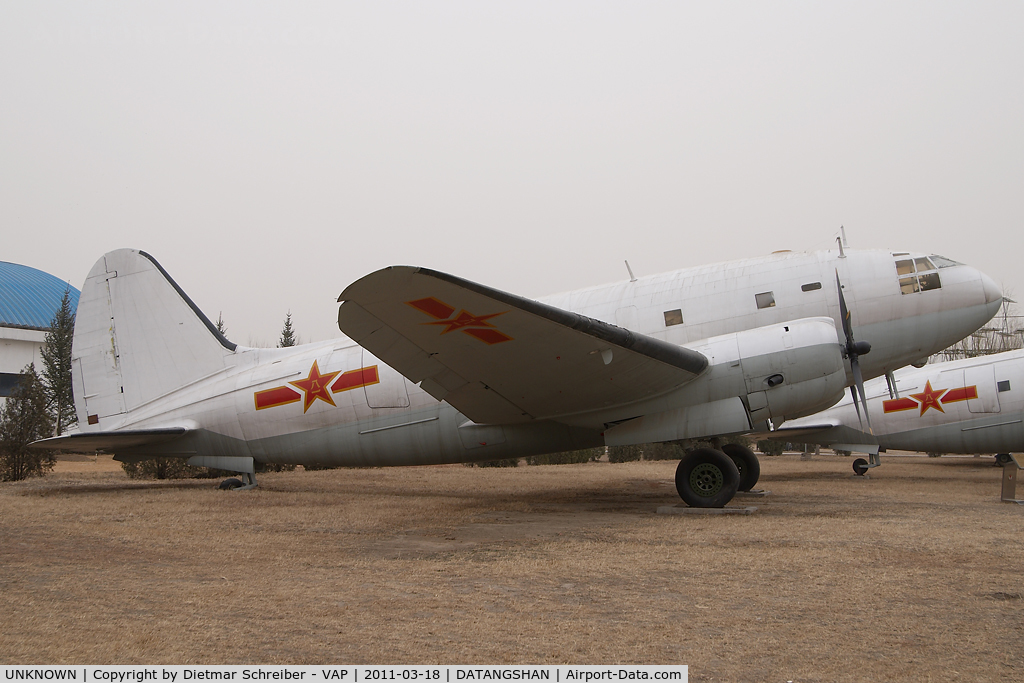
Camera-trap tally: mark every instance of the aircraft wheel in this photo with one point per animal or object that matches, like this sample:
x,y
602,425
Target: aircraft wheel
x,y
706,478
229,484
860,466
746,462
1003,459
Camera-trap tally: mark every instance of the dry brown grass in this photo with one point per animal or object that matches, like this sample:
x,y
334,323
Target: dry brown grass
x,y
913,575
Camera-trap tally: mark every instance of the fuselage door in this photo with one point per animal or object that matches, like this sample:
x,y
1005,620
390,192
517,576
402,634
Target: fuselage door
x,y
983,377
390,391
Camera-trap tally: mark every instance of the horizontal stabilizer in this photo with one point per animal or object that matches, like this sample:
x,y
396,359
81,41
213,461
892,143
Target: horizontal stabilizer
x,y
500,358
88,442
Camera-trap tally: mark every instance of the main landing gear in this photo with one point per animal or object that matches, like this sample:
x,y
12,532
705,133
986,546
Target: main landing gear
x,y
709,478
247,481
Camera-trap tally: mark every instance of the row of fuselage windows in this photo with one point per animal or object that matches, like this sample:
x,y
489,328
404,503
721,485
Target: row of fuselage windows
x,y
916,275
762,299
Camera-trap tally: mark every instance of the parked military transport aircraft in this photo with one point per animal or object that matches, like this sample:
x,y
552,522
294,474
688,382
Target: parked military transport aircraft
x,y
974,405
448,370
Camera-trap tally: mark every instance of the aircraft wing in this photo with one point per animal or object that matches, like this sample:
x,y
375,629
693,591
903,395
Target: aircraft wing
x,y
87,442
500,358
828,432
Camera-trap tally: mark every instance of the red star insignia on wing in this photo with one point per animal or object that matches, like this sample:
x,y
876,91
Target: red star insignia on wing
x,y
315,386
464,319
930,398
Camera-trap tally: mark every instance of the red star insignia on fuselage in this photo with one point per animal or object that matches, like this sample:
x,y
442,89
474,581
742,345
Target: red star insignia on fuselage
x,y
315,386
464,319
930,398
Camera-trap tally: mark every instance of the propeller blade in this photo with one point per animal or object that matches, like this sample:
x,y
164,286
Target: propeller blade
x,y
856,406
844,313
854,350
858,381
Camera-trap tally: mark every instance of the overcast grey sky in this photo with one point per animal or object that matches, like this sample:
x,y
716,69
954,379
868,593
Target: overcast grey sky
x,y
268,154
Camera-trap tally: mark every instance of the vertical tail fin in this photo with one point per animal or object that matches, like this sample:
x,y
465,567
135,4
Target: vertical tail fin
x,y
137,337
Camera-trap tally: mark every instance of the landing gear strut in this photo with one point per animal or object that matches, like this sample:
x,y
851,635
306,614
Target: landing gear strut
x,y
861,466
706,478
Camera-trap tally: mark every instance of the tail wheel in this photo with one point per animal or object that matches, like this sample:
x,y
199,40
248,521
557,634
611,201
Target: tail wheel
x,y
746,462
860,466
706,478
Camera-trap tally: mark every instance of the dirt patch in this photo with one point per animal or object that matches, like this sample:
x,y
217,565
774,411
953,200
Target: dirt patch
x,y
911,575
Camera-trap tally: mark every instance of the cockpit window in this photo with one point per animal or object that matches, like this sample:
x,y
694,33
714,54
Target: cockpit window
x,y
943,262
915,276
904,267
929,281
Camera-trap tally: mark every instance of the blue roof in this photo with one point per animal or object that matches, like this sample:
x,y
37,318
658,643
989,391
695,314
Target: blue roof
x,y
30,297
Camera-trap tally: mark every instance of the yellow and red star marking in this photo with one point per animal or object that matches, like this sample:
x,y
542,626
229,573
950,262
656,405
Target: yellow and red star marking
x,y
474,325
465,319
315,386
930,398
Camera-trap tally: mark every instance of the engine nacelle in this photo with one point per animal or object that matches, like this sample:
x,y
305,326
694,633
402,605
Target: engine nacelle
x,y
791,369
779,371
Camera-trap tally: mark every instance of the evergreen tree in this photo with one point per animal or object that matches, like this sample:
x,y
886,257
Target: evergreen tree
x,y
287,333
221,327
56,358
23,419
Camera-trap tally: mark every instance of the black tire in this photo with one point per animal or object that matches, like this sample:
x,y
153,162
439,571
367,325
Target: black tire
x,y
860,466
746,462
1003,459
229,484
706,478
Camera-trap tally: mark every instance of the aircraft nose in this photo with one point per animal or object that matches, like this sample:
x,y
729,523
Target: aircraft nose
x,y
993,292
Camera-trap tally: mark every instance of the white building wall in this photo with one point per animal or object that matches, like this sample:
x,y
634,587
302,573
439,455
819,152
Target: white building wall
x,y
18,348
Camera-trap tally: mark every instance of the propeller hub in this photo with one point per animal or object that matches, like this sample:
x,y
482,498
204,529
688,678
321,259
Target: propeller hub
x,y
859,348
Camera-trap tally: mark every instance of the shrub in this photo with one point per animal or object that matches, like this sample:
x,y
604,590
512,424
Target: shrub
x,y
170,468
663,451
625,453
771,447
507,462
567,457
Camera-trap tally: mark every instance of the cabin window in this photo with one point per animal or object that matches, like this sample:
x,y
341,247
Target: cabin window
x,y
765,299
674,317
1003,385
905,266
810,286
908,285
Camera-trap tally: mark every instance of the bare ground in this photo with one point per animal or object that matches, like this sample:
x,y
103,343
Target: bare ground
x,y
912,575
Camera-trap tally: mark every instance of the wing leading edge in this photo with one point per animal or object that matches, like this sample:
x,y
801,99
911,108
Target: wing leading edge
x,y
501,358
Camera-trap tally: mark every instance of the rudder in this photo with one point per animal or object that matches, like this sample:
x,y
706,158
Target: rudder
x,y
137,337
